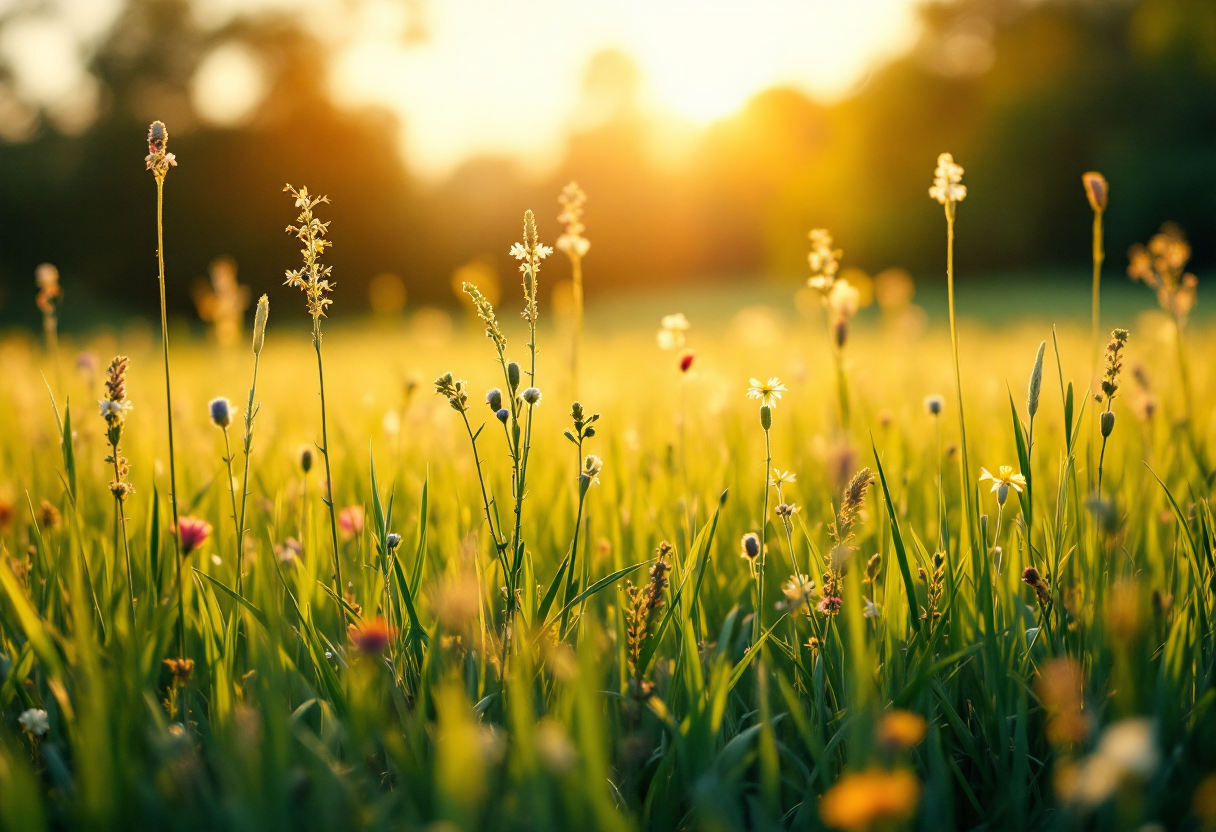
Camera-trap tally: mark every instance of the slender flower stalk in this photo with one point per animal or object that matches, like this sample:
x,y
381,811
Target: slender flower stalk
x,y
841,299
220,411
768,393
948,190
46,276
313,279
1110,386
575,246
1098,193
159,160
114,409
589,475
251,412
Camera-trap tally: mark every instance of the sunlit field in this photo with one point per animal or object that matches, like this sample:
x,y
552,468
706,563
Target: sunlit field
x,y
747,570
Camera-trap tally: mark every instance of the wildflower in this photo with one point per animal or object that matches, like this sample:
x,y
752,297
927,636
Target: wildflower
x,y
751,546
947,181
46,277
867,799
392,541
313,278
798,591
159,160
454,390
350,521
531,252
1161,266
485,311
114,411
502,415
934,405
782,477
193,532
823,260
531,395
34,722
572,243
843,301
830,605
902,729
1033,579
221,412
372,637
786,510
180,669
305,459
47,515
686,361
592,466
494,399
671,331
871,609
1003,480
767,392
1096,190
1114,362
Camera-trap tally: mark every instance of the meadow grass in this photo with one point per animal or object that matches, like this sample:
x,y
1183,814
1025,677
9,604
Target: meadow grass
x,y
558,616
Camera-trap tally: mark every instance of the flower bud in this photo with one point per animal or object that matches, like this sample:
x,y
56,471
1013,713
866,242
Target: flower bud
x,y
840,332
221,412
259,324
766,417
513,375
393,540
502,415
1002,493
531,396
306,459
1107,421
1096,190
494,399
751,546
1036,383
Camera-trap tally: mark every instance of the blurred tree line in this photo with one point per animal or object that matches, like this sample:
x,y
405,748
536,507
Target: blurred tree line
x,y
1027,95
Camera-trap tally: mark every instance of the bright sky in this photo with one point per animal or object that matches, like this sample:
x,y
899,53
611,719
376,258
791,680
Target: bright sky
x,y
501,76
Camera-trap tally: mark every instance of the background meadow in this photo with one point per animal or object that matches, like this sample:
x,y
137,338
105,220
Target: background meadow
x,y
661,514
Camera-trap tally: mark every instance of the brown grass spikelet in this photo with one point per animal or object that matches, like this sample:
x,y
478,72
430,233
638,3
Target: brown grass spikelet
x,y
644,604
850,504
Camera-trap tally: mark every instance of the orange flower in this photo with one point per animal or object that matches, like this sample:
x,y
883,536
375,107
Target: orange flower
x,y
860,801
902,729
371,637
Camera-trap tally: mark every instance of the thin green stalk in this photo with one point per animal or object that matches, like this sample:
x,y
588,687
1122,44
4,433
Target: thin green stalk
x,y
757,622
236,523
250,412
324,449
164,331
